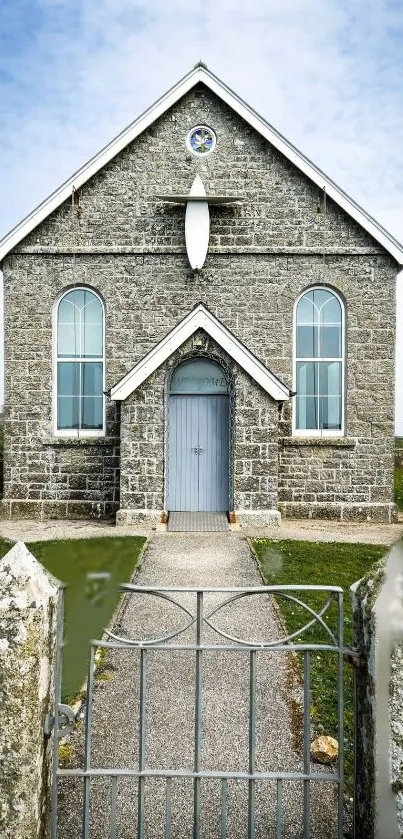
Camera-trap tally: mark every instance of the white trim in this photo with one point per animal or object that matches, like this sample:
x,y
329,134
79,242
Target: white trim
x,y
200,318
319,432
71,432
202,74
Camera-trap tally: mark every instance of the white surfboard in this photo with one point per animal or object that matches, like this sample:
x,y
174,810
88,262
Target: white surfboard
x,y
197,225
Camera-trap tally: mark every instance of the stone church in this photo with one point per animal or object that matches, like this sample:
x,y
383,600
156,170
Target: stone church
x,y
199,321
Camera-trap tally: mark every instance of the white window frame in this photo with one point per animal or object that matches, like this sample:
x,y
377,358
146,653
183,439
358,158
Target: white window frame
x,y
76,433
320,432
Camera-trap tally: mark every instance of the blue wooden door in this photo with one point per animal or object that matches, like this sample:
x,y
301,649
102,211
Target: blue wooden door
x,y
198,456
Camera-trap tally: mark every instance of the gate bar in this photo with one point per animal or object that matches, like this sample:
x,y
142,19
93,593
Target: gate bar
x,y
340,632
224,805
307,743
114,799
214,774
168,809
57,700
252,743
142,741
88,737
229,589
198,716
279,810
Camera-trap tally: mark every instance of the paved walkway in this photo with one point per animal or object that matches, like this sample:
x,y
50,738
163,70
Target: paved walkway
x,y
214,560
304,529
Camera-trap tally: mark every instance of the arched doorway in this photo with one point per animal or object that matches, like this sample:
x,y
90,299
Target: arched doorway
x,y
198,438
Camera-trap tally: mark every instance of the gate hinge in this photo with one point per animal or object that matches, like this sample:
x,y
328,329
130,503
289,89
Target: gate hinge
x,y
66,718
355,658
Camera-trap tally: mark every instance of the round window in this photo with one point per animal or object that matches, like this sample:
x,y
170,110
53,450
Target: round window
x,y
201,140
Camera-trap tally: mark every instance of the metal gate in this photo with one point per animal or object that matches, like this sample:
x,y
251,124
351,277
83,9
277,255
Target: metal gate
x,y
207,630
198,467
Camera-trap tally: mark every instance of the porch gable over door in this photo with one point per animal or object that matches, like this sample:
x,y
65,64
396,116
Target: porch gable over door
x,y
200,318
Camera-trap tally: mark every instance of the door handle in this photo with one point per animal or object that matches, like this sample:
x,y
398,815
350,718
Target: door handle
x,y
198,450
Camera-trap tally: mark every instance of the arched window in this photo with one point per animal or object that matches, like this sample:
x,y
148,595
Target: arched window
x,y
319,363
80,363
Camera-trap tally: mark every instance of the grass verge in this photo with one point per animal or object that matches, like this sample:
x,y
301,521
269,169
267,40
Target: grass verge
x,y
312,563
85,615
399,487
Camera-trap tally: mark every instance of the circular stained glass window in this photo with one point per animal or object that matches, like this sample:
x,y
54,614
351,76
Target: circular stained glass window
x,y
201,140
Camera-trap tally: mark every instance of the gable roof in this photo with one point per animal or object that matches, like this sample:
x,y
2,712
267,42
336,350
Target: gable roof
x,y
201,73
200,318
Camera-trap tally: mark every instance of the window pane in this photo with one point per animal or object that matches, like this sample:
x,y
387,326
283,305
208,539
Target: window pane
x,y
321,299
307,342
92,409
307,412
307,378
68,378
330,311
92,309
92,379
330,342
306,312
68,343
330,378
67,411
330,412
91,340
80,324
66,309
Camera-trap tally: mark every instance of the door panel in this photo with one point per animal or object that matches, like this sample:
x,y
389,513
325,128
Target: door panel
x,y
213,459
183,462
198,456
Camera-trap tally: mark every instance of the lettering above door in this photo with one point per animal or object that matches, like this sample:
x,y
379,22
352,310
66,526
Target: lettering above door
x,y
199,375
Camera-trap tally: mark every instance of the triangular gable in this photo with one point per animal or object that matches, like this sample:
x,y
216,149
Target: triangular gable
x,y
200,73
200,318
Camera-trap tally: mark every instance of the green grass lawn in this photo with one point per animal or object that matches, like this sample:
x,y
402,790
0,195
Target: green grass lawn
x,y
70,561
399,487
312,563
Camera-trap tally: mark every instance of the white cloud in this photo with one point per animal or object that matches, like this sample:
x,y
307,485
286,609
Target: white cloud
x,y
326,73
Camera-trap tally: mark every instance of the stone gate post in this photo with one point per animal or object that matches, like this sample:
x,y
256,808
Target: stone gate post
x,y
378,638
28,631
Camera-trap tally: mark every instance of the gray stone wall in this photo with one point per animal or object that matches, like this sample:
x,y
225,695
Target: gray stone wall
x,y
253,439
28,630
263,254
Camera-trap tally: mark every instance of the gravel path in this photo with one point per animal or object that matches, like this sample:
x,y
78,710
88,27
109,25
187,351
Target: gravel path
x,y
214,560
304,529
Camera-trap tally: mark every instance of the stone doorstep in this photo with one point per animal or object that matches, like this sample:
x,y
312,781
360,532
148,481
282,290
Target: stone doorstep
x,y
152,518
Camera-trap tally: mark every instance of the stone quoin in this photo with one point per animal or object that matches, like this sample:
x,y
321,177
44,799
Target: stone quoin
x,y
294,304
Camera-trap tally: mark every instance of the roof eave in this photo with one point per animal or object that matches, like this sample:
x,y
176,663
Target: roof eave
x,y
201,74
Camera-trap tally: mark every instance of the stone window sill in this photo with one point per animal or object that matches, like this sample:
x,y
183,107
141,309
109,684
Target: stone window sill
x,y
324,442
79,442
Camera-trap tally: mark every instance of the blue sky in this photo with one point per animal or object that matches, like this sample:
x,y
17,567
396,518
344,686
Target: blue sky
x,y
326,73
